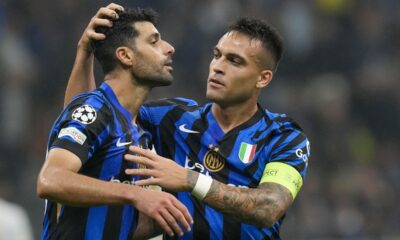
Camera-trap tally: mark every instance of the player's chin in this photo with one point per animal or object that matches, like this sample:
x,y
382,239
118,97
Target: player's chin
x,y
165,80
213,95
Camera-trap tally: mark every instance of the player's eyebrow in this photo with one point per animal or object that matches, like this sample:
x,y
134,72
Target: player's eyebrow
x,y
154,36
230,55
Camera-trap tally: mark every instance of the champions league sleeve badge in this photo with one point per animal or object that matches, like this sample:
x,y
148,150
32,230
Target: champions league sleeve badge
x,y
85,114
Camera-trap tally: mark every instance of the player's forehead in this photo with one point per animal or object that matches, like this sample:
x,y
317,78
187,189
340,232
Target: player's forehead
x,y
239,43
146,29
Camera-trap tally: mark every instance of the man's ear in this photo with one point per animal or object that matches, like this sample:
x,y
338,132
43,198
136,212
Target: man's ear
x,y
125,55
264,78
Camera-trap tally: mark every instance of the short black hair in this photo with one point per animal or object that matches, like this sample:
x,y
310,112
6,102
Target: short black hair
x,y
265,33
120,34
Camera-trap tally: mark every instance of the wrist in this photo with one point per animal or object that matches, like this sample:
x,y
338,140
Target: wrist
x,y
191,180
134,195
202,186
85,48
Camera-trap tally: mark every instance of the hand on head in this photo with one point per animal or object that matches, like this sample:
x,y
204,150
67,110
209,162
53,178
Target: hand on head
x,y
103,18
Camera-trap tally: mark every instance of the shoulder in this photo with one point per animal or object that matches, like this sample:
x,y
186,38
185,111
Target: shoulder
x,y
163,106
289,144
156,111
171,102
286,133
282,122
88,107
94,99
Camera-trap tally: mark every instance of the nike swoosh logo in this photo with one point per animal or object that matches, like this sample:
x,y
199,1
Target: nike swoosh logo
x,y
184,129
121,144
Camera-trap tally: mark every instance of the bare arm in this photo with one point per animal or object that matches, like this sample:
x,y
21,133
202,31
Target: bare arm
x,y
82,77
261,206
59,181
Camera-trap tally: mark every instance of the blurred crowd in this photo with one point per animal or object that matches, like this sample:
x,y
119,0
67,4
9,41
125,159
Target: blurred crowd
x,y
339,78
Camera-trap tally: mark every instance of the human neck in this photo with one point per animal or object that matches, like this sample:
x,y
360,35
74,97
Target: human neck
x,y
229,117
129,94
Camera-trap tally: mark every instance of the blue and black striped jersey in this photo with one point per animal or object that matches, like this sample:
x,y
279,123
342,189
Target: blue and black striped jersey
x,y
96,128
190,135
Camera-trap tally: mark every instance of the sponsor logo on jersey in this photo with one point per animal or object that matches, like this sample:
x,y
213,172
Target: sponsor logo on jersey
x,y
184,129
195,166
121,144
213,161
116,180
302,155
73,133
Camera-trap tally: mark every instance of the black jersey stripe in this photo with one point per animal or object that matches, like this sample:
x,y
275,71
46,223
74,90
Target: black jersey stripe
x,y
289,145
201,227
71,222
113,219
232,229
167,125
158,103
286,120
166,102
283,136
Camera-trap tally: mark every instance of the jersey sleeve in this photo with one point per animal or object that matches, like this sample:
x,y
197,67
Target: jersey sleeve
x,y
292,147
79,127
289,154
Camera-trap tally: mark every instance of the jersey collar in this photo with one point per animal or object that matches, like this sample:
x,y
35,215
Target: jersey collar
x,y
217,130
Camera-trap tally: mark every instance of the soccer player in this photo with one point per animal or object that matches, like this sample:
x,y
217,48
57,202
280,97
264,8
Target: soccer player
x,y
236,166
88,194
242,164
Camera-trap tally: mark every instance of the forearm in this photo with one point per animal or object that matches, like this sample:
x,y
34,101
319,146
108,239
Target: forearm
x,y
261,206
78,190
82,78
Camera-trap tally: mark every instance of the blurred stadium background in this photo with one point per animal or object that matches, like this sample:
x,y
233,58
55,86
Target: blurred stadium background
x,y
339,78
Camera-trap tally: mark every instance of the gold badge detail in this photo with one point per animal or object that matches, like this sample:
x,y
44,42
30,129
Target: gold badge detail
x,y
213,161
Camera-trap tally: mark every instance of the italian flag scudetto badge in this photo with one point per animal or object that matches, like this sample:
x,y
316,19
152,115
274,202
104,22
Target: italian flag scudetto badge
x,y
246,152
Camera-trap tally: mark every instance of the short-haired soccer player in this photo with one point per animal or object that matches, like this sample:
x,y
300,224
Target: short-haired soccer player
x,y
89,195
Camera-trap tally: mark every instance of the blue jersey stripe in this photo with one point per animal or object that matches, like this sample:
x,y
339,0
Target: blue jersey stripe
x,y
95,222
184,197
217,223
128,218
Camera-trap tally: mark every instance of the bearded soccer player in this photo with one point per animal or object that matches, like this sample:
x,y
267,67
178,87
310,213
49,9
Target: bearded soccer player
x,y
236,166
88,194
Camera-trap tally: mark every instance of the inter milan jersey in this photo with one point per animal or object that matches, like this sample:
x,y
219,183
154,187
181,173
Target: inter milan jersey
x,y
190,135
96,128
